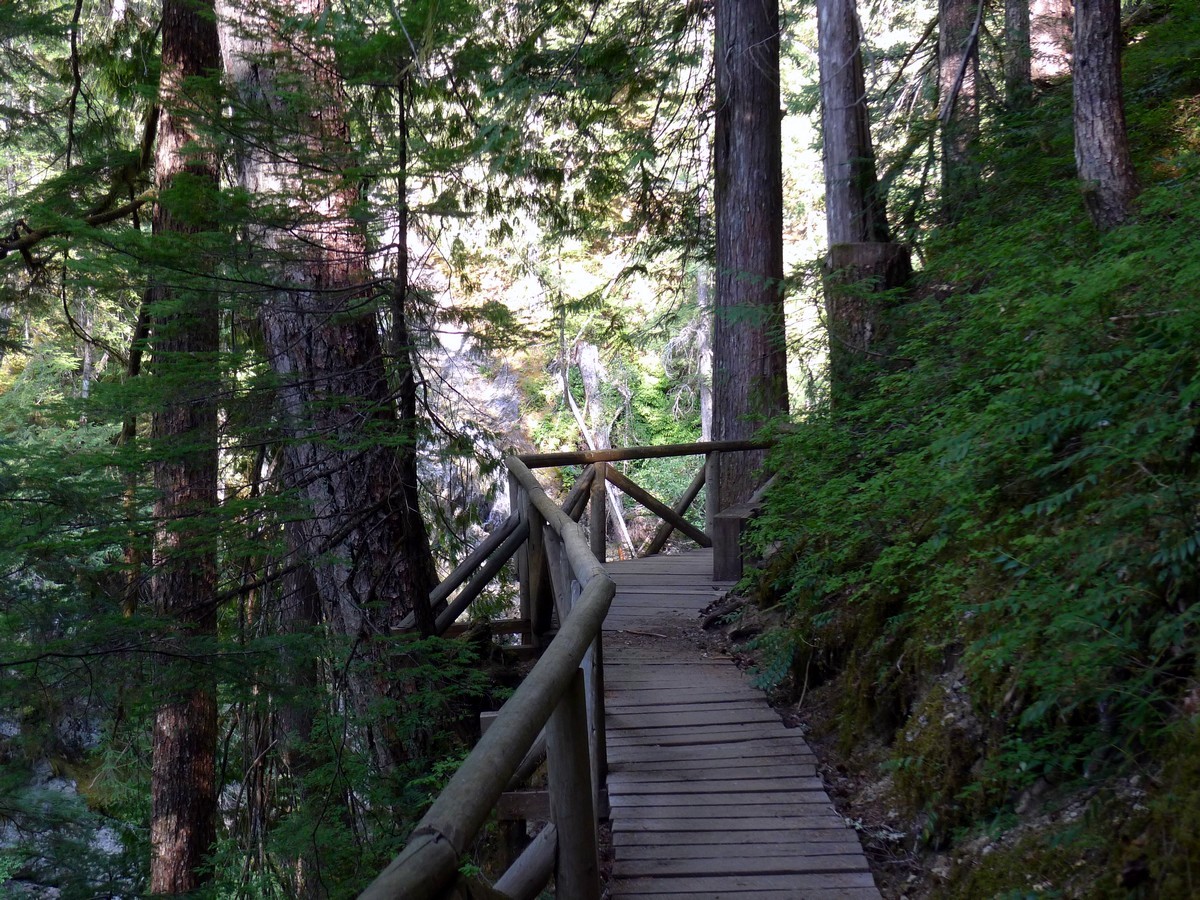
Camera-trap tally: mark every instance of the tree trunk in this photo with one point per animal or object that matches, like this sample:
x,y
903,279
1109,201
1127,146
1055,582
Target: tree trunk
x,y
1101,141
861,262
185,344
1018,69
855,211
704,350
349,460
1050,38
959,23
749,355
855,276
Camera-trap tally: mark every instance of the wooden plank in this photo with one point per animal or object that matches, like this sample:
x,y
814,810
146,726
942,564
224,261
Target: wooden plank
x,y
666,793
688,735
779,865
718,785
809,893
717,850
649,695
799,884
618,721
730,706
723,823
702,807
642,579
674,772
636,753
753,839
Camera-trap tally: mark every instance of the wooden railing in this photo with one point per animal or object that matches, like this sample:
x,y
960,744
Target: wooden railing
x,y
558,709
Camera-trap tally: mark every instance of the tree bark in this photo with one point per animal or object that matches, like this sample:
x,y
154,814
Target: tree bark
x,y
1018,64
1050,38
855,277
959,24
749,355
1101,140
855,211
185,345
350,460
862,262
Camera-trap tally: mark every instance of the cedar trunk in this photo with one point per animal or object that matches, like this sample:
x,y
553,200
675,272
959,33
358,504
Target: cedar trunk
x,y
854,209
749,356
958,102
185,326
1101,140
861,262
1018,63
350,460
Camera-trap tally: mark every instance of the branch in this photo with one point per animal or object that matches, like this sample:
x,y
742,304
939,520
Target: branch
x,y
23,243
971,42
911,53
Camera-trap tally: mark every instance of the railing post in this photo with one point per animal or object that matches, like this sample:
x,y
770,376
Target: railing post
x,y
593,672
712,489
518,502
577,873
541,598
599,512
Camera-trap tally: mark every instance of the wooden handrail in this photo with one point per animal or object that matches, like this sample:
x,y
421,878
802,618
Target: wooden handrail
x,y
620,454
664,512
428,866
561,698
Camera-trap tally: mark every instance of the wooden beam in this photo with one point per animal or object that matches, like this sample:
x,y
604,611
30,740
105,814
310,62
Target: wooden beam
x,y
659,508
486,573
598,522
577,872
529,875
663,533
576,498
617,454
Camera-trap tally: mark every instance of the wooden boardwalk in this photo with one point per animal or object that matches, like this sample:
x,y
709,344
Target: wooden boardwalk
x,y
710,795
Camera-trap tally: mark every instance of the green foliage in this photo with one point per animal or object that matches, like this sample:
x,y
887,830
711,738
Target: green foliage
x,y
1016,509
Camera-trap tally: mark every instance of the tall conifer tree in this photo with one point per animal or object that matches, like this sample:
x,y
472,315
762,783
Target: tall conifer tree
x,y
749,354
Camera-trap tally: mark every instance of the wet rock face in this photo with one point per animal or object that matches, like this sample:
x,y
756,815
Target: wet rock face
x,y
478,396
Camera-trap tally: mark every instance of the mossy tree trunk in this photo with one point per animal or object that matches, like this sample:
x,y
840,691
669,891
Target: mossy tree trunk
x,y
959,23
1018,62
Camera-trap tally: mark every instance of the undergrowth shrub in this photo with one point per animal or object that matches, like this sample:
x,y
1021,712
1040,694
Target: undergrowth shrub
x,y
1019,507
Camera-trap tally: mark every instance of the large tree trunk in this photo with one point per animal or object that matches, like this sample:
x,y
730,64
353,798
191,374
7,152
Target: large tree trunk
x,y
959,23
349,460
1018,69
185,345
861,262
855,211
1101,141
749,351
